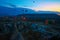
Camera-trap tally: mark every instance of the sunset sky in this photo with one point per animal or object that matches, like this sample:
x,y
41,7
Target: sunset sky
x,y
44,5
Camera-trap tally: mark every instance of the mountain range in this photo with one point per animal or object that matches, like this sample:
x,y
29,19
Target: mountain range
x,y
7,11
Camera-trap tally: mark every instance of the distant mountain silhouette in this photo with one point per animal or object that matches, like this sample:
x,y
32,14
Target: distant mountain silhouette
x,y
47,12
7,11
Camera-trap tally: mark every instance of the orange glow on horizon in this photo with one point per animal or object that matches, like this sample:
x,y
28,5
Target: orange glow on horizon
x,y
48,7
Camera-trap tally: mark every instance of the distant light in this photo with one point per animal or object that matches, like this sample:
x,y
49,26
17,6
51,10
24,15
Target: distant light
x,y
23,18
46,22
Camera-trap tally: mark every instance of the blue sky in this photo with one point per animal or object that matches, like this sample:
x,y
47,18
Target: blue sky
x,y
51,5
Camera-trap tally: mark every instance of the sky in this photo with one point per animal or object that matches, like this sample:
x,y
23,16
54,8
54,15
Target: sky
x,y
44,5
